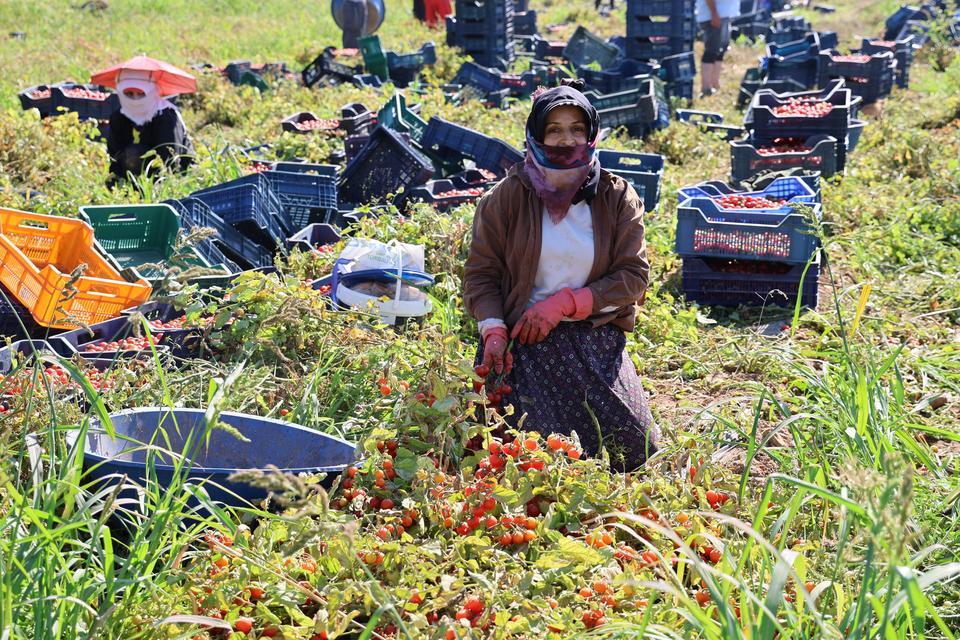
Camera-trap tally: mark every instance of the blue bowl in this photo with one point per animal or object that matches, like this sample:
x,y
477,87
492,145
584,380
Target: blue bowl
x,y
216,454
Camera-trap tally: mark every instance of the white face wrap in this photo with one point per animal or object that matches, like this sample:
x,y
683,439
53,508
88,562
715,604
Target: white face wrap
x,y
139,110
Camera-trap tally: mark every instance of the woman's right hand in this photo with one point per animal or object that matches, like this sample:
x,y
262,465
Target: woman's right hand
x,y
495,353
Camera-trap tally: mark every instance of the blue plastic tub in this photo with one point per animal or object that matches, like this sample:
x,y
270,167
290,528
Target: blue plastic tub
x,y
215,453
705,230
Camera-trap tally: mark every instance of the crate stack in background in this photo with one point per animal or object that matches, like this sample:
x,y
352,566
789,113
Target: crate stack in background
x,y
750,247
484,31
664,30
753,22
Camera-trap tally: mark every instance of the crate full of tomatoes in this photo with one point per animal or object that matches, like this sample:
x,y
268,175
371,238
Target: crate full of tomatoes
x,y
88,101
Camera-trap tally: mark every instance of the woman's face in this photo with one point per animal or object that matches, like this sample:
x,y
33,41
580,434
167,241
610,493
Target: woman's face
x,y
566,127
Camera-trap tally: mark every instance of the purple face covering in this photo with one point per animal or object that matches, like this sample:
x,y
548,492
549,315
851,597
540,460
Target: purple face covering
x,y
558,173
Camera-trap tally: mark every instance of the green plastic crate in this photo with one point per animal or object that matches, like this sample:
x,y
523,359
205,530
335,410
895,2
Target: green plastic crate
x,y
395,115
131,236
374,59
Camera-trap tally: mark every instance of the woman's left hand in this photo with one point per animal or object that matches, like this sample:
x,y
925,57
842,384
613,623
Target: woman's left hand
x,y
543,317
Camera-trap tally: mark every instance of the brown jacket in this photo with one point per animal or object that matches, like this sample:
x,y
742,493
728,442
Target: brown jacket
x,y
505,251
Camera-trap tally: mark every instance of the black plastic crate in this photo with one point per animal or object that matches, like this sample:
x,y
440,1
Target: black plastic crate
x,y
356,119
803,73
385,165
902,50
747,161
656,48
585,48
98,103
725,283
39,97
15,318
870,79
486,152
353,145
474,75
305,197
682,89
326,65
643,170
480,11
444,194
547,49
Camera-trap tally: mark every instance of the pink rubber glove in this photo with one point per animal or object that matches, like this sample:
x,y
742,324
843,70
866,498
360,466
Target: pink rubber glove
x,y
543,317
495,354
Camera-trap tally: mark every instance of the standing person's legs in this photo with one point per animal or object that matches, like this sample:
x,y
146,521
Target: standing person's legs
x,y
715,43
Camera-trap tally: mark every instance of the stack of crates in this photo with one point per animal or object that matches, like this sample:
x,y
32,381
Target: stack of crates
x,y
484,31
868,76
657,29
770,118
735,255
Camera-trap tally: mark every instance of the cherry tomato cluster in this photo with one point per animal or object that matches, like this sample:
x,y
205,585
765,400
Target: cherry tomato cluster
x,y
768,244
717,499
853,57
87,94
468,193
471,612
260,167
4,406
39,94
784,145
515,530
497,389
735,201
58,377
346,53
160,325
324,248
804,108
883,43
126,344
325,289
386,390
320,124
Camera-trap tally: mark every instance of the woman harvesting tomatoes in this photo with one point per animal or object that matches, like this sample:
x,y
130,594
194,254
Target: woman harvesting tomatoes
x,y
558,265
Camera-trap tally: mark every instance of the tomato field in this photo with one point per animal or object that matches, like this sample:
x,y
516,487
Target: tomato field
x,y
807,484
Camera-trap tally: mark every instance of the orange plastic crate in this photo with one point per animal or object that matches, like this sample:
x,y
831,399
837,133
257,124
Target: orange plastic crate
x,y
38,256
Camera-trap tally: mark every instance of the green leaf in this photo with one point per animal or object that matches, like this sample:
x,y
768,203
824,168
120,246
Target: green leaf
x,y
569,553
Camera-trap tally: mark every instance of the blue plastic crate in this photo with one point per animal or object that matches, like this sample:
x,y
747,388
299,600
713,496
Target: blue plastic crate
x,y
899,19
22,352
247,208
655,27
271,199
436,192
525,23
679,68
312,236
726,283
242,250
487,153
674,8
15,318
746,161
634,106
806,48
766,125
704,230
903,51
871,80
657,48
474,75
480,11
803,73
789,188
585,48
305,197
385,165
546,49
628,74
643,170
425,56
85,108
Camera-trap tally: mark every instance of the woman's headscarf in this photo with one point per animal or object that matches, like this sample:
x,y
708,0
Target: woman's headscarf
x,y
140,110
562,176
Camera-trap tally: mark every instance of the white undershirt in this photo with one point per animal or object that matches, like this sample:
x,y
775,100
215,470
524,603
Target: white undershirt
x,y
566,253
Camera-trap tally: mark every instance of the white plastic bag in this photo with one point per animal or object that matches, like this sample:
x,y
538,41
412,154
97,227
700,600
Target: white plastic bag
x,y
361,254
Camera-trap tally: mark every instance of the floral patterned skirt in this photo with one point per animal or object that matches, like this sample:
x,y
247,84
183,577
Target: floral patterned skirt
x,y
580,379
